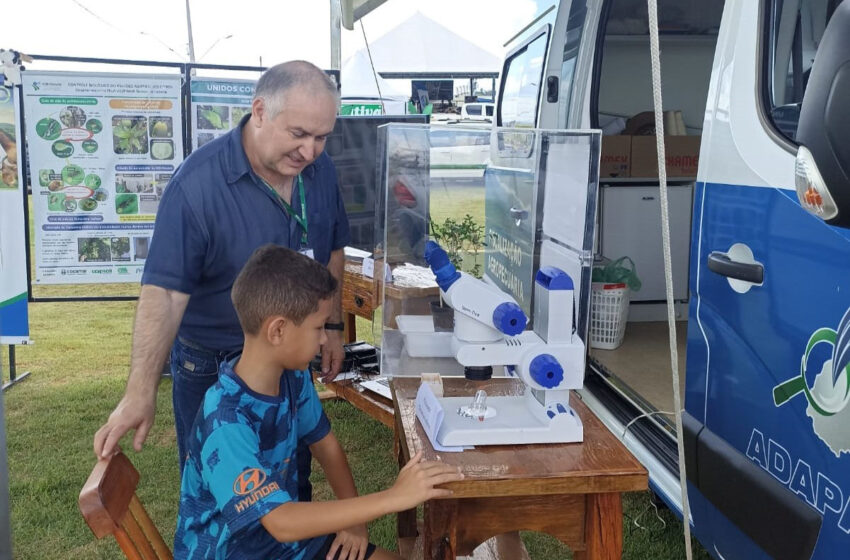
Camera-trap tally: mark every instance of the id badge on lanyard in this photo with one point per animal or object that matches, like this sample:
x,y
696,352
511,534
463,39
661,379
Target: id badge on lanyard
x,y
301,221
303,244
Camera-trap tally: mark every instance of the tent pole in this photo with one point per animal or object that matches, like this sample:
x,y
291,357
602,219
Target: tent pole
x,y
336,35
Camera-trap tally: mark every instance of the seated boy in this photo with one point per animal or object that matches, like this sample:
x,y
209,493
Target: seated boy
x,y
239,491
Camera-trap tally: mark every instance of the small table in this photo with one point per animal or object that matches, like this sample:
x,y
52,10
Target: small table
x,y
361,296
373,404
570,491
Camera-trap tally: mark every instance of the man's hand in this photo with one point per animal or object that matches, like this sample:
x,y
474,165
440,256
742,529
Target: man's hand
x,y
132,413
158,315
332,356
417,479
351,543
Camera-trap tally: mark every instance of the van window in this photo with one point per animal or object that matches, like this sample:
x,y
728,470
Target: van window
x,y
473,109
572,42
794,31
488,110
522,76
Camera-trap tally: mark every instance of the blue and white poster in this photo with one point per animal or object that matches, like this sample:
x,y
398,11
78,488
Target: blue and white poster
x,y
14,322
217,106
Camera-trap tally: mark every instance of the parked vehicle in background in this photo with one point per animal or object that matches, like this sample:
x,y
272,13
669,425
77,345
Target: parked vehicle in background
x,y
762,87
477,112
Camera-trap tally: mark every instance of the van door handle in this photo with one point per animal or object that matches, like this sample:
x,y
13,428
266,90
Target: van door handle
x,y
748,272
552,89
518,213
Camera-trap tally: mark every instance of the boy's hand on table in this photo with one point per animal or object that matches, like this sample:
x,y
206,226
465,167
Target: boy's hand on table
x,y
417,480
351,543
333,354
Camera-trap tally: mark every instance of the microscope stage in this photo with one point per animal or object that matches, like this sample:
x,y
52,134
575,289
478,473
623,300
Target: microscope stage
x,y
509,421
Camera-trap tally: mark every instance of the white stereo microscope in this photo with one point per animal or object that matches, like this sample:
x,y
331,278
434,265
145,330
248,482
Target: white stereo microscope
x,y
489,330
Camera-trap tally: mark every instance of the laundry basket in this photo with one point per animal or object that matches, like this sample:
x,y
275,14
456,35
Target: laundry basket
x,y
609,309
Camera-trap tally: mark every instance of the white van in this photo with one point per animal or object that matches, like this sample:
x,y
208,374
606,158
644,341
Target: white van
x,y
477,112
761,252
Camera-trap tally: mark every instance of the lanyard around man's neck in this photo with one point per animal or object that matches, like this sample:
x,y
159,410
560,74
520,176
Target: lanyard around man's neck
x,y
302,219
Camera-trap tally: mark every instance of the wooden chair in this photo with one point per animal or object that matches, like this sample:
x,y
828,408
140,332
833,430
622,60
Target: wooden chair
x,y
110,506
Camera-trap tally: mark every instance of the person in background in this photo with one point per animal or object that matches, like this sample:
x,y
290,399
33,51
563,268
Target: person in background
x,y
266,181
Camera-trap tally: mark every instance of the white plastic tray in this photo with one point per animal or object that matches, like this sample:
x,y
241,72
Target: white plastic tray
x,y
420,340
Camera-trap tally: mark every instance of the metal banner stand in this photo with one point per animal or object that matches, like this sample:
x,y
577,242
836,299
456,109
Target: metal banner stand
x,y
13,370
5,523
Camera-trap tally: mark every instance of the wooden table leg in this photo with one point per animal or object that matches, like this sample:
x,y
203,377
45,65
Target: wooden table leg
x,y
349,333
405,520
440,530
603,528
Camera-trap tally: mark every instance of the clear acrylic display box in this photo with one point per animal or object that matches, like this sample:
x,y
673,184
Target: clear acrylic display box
x,y
502,202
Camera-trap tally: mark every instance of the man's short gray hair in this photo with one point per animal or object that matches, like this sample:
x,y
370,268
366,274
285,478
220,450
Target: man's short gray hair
x,y
277,80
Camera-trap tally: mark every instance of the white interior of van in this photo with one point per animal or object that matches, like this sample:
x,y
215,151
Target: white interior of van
x,y
630,215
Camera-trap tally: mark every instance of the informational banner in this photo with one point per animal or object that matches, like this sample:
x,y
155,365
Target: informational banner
x,y
102,148
14,323
360,109
217,106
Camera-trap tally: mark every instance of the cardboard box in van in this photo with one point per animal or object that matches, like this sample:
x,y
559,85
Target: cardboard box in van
x,y
682,155
616,156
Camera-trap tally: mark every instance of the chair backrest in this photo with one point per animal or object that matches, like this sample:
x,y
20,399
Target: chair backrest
x,y
110,506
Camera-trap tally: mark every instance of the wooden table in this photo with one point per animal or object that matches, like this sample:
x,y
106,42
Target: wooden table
x,y
571,491
361,296
373,404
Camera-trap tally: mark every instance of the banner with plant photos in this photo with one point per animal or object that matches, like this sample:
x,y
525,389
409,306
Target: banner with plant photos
x,y
14,321
102,148
217,106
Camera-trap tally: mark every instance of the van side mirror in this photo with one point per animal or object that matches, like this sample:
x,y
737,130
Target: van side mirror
x,y
823,159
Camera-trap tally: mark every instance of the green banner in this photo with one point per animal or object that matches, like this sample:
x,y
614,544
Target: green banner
x,y
361,109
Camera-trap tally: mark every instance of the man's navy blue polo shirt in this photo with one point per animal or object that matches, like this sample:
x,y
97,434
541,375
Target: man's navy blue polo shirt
x,y
214,213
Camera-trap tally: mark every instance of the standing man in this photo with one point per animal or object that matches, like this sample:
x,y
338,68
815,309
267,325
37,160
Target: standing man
x,y
267,181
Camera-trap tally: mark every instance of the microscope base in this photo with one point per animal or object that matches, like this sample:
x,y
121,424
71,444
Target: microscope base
x,y
517,420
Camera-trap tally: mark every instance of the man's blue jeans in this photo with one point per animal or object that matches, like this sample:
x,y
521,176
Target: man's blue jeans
x,y
194,369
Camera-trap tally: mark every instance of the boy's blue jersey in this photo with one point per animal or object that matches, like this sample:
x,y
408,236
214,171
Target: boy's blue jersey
x,y
241,465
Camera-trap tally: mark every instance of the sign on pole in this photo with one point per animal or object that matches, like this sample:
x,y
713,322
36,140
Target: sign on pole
x,y
14,322
102,148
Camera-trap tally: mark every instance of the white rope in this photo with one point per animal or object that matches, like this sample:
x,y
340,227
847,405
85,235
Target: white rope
x,y
372,64
645,415
652,8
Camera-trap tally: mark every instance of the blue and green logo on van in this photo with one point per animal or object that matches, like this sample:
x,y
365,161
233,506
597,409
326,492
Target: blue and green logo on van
x,y
827,391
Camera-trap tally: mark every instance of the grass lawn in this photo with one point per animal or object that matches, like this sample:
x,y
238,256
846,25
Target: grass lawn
x,y
79,365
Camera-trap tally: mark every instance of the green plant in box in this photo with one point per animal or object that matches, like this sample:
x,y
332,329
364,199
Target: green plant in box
x,y
459,237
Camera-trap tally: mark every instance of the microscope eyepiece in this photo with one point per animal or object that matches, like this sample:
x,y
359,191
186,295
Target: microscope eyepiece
x,y
441,266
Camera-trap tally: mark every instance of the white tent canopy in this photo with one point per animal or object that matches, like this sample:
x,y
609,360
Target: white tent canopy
x,y
358,81
422,48
360,94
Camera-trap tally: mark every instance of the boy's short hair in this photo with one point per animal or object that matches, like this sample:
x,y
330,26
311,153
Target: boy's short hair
x,y
279,281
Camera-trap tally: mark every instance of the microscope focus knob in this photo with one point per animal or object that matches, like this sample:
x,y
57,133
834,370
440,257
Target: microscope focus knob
x,y
509,318
546,371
